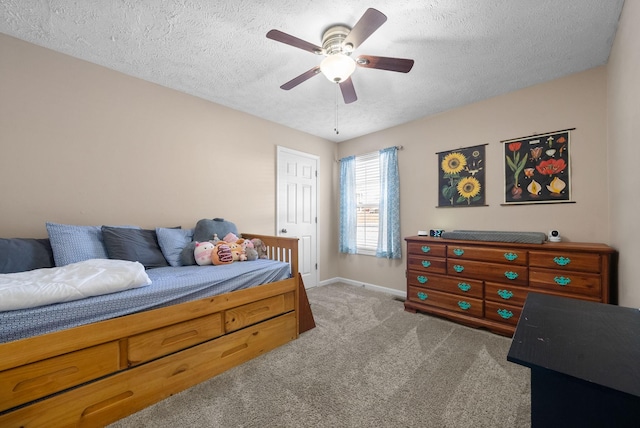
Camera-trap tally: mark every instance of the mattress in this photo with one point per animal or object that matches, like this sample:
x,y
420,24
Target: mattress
x,y
497,236
169,286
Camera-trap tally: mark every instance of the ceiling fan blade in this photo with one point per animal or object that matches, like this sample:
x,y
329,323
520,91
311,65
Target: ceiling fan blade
x,y
288,39
368,23
348,91
384,63
298,80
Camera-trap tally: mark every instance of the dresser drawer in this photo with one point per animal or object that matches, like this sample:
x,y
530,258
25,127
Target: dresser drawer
x,y
451,302
427,249
36,380
566,282
147,346
427,264
505,293
564,260
501,312
493,255
463,287
488,271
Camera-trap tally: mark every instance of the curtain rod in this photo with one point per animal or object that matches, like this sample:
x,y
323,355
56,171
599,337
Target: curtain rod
x,y
364,154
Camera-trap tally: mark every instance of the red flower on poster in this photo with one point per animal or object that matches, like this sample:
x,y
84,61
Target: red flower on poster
x,y
551,166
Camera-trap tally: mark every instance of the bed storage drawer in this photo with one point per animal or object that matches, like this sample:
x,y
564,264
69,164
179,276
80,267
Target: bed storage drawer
x,y
163,341
36,380
245,315
106,400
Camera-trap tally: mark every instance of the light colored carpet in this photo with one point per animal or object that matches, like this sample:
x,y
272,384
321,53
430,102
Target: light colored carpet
x,y
368,363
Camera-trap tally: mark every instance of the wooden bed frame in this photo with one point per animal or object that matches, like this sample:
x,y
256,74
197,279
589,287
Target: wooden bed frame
x,y
95,374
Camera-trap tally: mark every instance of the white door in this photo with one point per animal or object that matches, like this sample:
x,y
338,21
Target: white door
x,y
297,215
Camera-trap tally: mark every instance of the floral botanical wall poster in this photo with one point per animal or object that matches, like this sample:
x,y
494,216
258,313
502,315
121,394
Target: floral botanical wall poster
x,y
536,169
461,177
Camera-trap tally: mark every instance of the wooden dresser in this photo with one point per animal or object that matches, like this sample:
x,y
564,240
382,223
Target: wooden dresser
x,y
485,284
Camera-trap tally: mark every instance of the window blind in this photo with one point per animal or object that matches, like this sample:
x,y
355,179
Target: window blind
x,y
368,202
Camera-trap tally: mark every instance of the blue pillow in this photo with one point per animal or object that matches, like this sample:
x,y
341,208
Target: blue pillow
x,y
23,254
72,244
172,241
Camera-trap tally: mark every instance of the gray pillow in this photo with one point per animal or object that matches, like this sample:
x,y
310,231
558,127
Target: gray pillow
x,y
23,254
205,229
136,245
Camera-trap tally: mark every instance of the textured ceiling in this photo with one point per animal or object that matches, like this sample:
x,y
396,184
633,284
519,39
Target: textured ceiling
x,y
464,51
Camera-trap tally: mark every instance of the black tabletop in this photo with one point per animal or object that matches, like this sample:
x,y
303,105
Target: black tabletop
x,y
595,342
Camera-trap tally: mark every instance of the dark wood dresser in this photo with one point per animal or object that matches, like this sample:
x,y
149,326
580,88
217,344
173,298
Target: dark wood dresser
x,y
485,284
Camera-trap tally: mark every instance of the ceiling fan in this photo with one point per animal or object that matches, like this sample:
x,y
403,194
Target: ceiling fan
x,y
338,43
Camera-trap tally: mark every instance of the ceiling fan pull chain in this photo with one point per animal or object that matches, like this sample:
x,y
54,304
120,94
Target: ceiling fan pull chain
x,y
336,125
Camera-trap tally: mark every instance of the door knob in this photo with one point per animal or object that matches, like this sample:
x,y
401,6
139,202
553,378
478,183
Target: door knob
x,y
283,230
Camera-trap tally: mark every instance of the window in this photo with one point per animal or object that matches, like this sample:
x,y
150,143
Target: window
x,y
367,203
370,204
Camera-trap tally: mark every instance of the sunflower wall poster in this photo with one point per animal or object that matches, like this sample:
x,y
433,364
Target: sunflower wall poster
x,y
461,177
536,169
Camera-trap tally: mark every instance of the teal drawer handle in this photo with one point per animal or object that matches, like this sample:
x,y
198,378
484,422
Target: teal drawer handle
x,y
511,275
426,263
562,261
426,248
561,280
422,279
505,294
422,296
458,251
505,313
464,286
464,305
458,268
510,256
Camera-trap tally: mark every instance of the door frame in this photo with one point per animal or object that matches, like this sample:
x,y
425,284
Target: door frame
x,y
298,153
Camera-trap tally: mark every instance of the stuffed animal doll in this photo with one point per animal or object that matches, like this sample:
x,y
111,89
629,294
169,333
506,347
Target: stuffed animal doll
x,y
215,240
221,254
237,252
230,238
202,253
260,248
251,253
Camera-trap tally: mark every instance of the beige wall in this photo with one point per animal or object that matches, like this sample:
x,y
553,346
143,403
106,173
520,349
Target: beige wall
x,y
85,145
624,150
577,101
82,144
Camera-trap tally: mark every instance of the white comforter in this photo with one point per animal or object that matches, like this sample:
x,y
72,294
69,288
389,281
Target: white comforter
x,y
71,282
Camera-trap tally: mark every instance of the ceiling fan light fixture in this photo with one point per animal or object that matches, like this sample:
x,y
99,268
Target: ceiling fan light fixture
x,y
338,67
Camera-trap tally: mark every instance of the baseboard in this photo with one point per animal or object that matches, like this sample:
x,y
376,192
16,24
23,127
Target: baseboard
x,y
397,293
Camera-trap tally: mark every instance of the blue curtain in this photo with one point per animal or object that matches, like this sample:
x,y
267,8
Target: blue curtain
x,y
389,241
348,220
